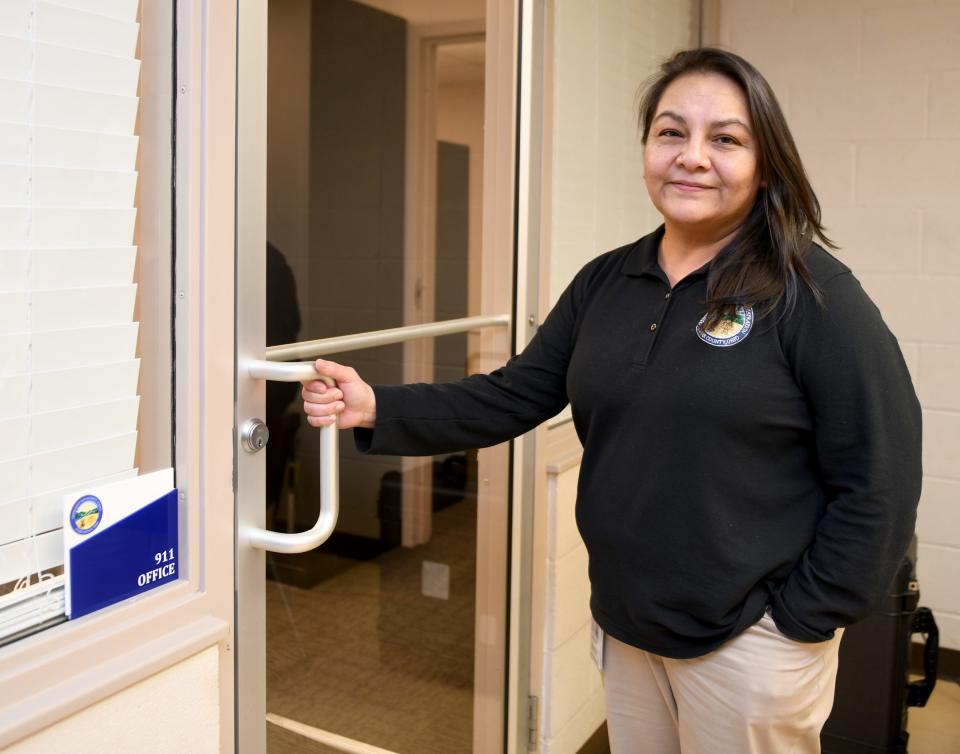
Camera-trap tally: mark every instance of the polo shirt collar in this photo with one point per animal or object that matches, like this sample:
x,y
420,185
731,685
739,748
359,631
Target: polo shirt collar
x,y
642,259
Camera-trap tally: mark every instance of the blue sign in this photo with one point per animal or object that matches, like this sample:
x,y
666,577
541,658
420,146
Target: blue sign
x,y
117,546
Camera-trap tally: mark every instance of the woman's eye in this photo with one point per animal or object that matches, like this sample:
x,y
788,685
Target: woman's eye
x,y
724,139
669,132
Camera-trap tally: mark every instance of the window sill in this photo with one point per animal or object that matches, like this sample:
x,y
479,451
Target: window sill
x,y
53,674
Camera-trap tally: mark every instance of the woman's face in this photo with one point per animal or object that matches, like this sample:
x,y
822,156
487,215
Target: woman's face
x,y
700,159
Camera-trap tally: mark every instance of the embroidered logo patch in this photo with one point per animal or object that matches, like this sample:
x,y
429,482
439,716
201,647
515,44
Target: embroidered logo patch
x,y
730,330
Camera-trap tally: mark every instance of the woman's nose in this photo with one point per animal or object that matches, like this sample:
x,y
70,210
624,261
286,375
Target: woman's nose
x,y
693,155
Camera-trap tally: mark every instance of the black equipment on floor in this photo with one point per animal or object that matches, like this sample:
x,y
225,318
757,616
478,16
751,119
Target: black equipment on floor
x,y
873,692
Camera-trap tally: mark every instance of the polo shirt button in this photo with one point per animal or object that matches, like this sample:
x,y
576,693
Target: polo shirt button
x,y
667,295
653,327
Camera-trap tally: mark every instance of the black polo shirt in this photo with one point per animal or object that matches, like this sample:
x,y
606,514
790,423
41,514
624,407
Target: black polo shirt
x,y
758,461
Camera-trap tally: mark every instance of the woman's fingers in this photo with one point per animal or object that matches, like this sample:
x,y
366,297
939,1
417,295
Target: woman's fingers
x,y
322,409
317,392
322,414
321,421
321,402
339,391
316,386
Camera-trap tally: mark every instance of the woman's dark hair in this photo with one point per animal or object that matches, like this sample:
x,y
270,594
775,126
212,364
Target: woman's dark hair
x,y
764,264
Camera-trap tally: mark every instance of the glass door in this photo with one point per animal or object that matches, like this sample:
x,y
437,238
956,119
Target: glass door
x,y
360,187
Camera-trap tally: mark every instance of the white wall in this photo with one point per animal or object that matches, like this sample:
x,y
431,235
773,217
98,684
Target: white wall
x,y
872,92
176,710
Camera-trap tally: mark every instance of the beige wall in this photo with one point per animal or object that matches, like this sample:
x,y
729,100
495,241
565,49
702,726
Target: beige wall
x,y
872,93
176,710
460,120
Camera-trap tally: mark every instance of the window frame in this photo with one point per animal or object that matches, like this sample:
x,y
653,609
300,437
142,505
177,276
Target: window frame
x,y
57,672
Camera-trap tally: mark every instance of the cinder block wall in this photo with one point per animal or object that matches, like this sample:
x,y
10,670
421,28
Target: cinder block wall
x,y
871,89
603,51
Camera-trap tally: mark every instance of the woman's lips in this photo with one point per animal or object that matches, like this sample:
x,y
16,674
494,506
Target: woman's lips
x,y
690,187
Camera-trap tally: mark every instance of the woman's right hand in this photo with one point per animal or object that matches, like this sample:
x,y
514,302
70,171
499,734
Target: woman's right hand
x,y
352,399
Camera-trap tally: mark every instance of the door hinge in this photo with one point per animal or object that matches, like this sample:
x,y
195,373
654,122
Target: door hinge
x,y
533,709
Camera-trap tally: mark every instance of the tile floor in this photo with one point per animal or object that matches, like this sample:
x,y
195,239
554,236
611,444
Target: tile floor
x,y
366,655
935,729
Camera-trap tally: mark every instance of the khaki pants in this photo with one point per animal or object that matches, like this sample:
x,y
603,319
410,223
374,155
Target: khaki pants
x,y
760,693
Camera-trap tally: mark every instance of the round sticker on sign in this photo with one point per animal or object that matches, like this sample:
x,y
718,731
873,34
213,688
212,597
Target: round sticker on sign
x,y
729,330
86,514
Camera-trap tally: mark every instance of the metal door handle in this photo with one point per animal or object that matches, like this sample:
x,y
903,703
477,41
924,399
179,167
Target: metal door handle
x,y
275,541
299,371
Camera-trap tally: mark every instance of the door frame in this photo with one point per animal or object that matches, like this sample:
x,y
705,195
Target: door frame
x,y
250,395
499,610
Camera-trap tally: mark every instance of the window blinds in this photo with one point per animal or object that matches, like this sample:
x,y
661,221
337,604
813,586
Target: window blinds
x,y
68,367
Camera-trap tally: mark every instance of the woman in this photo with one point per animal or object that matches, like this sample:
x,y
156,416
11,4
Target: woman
x,y
751,462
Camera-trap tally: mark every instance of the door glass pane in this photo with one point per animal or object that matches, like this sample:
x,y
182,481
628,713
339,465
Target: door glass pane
x,y
372,636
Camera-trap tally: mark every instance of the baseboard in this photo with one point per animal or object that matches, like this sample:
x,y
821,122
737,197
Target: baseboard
x,y
948,665
598,743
